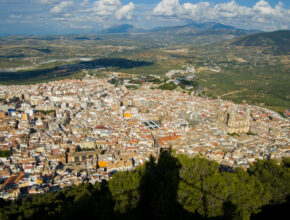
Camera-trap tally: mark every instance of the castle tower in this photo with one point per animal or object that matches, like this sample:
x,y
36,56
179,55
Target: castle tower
x,y
248,113
231,118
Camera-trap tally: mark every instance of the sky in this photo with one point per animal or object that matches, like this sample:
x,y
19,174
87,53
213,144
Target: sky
x,y
43,17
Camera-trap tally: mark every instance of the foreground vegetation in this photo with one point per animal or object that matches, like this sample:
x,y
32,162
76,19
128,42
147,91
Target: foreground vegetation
x,y
172,188
5,153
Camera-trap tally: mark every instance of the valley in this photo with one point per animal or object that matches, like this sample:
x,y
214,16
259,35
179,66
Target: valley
x,y
255,64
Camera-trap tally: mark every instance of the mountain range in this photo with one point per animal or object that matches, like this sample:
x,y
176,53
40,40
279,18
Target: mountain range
x,y
188,28
121,29
190,33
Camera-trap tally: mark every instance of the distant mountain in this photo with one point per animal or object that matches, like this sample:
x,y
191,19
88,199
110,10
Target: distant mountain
x,y
209,32
213,25
200,28
277,42
121,29
190,33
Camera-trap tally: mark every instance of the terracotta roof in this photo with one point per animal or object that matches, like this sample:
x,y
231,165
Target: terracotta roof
x,y
162,140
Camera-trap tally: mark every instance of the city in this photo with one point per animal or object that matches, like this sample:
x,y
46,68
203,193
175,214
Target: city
x,y
69,132
142,109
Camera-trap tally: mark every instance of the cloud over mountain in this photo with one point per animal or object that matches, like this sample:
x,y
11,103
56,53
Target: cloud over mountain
x,y
47,1
93,15
260,15
126,12
100,10
61,6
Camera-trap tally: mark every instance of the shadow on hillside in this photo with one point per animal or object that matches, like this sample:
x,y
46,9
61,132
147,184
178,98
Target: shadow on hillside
x,y
155,193
159,195
159,192
273,211
69,69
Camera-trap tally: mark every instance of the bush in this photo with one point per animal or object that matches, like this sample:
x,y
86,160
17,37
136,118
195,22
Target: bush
x,y
5,153
168,86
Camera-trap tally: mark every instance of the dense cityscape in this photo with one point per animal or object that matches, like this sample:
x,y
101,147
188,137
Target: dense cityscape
x,y
60,133
141,109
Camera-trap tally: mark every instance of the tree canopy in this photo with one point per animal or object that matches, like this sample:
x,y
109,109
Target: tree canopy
x,y
5,153
176,187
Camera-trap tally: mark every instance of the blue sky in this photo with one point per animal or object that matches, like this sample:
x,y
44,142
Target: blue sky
x,y
24,17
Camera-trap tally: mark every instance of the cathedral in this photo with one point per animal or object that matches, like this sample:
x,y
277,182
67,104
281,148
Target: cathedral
x,y
233,121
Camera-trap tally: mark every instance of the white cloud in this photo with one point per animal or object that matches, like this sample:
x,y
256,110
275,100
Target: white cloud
x,y
195,10
106,8
261,15
60,7
264,7
175,9
85,2
80,26
167,8
15,16
230,10
126,12
91,14
47,1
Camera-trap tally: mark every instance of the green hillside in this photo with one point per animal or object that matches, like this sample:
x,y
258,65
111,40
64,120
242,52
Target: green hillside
x,y
172,188
277,42
252,69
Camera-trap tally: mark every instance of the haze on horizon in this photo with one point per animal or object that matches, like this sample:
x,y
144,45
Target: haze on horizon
x,y
41,17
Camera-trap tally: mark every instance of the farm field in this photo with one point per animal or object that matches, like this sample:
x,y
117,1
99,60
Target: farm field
x,y
228,69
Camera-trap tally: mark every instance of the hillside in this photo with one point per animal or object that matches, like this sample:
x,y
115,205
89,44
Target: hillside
x,y
277,42
198,28
192,33
252,74
172,188
121,29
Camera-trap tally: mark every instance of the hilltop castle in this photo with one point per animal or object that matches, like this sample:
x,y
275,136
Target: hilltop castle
x,y
233,121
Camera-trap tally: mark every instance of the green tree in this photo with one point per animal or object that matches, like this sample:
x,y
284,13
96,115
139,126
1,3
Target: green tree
x,y
124,187
245,192
286,162
159,186
5,153
274,177
201,187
